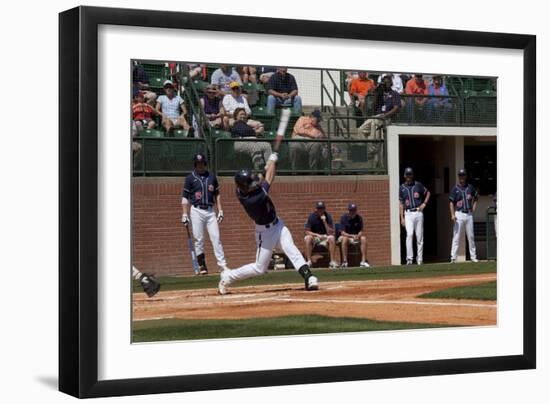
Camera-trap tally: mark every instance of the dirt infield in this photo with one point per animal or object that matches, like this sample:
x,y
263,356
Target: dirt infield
x,y
383,300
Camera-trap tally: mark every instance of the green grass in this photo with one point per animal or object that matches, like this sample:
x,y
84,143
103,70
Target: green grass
x,y
482,291
177,330
326,275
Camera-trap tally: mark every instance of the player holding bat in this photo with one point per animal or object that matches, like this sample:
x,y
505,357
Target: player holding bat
x,y
271,232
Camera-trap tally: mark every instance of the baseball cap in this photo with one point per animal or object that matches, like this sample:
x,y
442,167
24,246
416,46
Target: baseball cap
x,y
234,84
317,114
461,172
320,205
167,83
408,171
352,206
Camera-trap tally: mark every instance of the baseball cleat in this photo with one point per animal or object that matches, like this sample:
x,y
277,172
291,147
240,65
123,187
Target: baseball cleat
x,y
419,262
333,265
409,262
364,264
312,283
150,284
344,264
223,284
453,261
203,271
474,260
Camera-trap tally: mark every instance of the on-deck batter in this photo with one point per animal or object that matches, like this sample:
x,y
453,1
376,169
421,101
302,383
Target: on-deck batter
x,y
201,191
253,194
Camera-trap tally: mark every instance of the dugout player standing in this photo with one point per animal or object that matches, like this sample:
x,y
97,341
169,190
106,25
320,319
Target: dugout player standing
x,y
413,198
462,205
253,194
201,192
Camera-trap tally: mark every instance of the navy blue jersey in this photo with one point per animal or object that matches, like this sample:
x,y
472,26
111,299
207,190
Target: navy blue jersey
x,y
315,224
412,195
201,189
463,197
258,204
351,225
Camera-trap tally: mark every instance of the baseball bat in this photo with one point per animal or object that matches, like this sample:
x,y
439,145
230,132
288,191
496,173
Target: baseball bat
x,y
192,251
283,123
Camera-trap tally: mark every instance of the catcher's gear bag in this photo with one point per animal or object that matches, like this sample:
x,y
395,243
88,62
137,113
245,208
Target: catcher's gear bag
x,y
150,284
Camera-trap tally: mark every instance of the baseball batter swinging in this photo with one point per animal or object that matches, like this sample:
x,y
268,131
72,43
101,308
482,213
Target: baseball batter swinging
x,y
413,198
252,191
201,191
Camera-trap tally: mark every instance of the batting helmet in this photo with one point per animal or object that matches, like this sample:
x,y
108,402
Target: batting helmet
x,y
245,179
199,158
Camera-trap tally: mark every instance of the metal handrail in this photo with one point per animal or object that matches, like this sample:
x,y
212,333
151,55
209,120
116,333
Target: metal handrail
x,y
330,170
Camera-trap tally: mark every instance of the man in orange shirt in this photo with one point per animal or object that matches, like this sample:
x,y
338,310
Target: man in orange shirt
x,y
359,88
416,87
307,128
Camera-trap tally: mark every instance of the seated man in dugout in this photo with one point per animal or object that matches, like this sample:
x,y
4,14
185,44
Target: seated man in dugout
x,y
307,128
351,233
319,230
259,152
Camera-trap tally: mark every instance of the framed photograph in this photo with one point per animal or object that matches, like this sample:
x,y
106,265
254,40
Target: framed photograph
x,y
251,201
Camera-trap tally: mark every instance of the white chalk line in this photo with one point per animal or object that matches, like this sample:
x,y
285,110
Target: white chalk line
x,y
404,302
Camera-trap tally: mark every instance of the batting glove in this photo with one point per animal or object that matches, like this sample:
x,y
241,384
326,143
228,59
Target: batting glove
x,y
274,157
220,216
185,219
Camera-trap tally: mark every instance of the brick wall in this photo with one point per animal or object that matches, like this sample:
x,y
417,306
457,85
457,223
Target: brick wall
x,y
159,243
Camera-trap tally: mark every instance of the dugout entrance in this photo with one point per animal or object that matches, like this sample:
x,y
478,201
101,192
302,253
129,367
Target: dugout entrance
x,y
436,154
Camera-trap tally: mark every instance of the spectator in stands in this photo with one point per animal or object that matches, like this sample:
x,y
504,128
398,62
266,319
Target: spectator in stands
x,y
437,106
351,233
140,83
283,91
265,73
359,88
236,100
212,106
196,71
142,113
387,104
259,152
307,128
397,82
224,76
172,109
319,230
247,74
417,88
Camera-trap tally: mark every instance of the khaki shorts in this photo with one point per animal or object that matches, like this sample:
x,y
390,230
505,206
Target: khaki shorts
x,y
350,240
323,242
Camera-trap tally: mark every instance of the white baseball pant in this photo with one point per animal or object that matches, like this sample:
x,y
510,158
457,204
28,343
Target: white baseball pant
x,y
414,224
464,221
200,219
277,236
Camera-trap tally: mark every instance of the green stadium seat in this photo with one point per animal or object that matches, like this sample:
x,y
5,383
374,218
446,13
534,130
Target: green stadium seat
x,y
465,93
261,111
180,133
219,134
152,133
488,93
200,85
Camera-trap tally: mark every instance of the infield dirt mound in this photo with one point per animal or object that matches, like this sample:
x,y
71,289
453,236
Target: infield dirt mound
x,y
384,300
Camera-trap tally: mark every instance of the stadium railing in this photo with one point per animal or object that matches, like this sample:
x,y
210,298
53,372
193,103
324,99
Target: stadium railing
x,y
331,157
166,156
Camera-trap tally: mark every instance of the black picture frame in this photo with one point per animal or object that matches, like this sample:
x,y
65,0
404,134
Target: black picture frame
x,y
78,206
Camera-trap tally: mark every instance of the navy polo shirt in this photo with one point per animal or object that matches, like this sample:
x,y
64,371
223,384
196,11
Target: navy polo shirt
x,y
351,225
389,100
315,224
412,195
201,189
241,129
463,198
258,205
282,83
